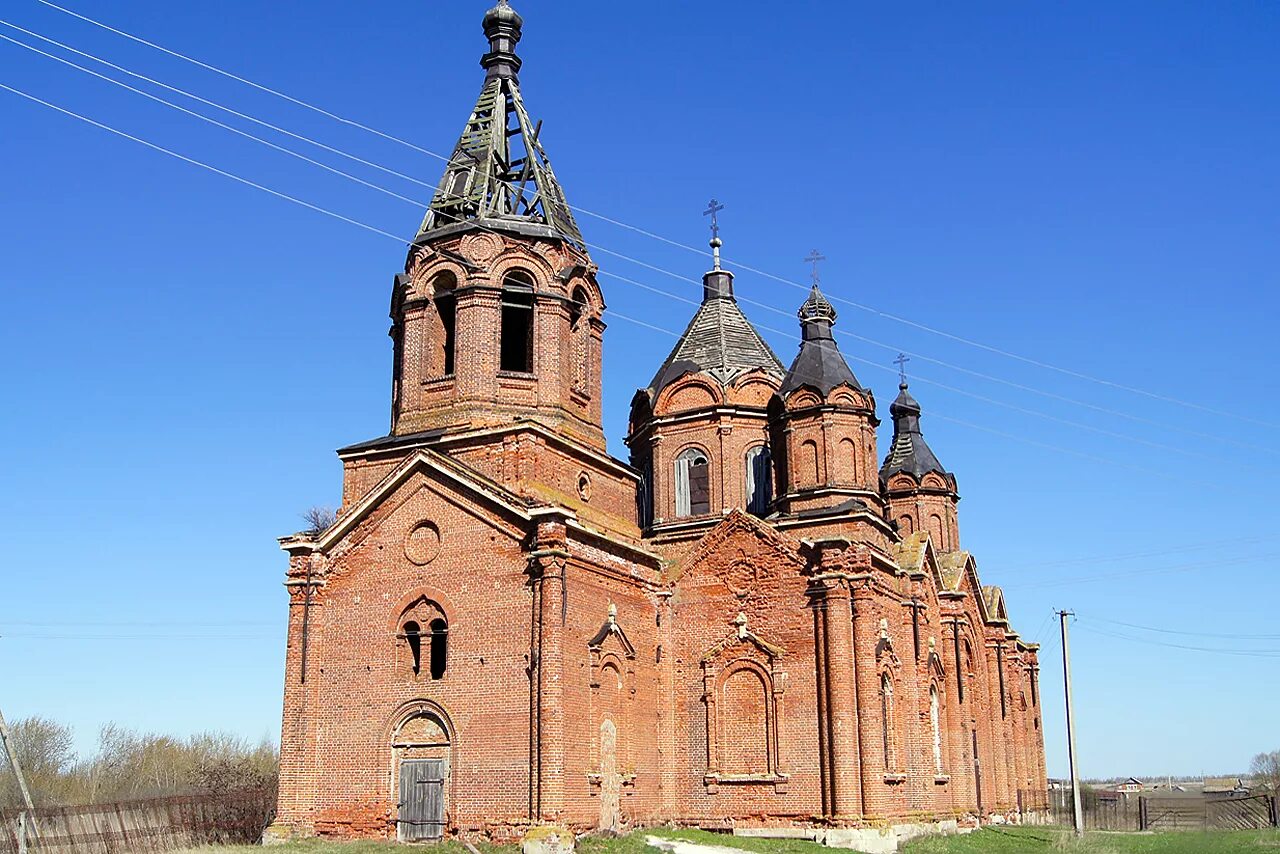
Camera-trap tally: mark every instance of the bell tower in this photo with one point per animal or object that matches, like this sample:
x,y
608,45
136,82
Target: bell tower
x,y
497,315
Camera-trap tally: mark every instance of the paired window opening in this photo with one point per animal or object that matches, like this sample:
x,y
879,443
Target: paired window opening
x,y
516,340
759,481
428,650
693,484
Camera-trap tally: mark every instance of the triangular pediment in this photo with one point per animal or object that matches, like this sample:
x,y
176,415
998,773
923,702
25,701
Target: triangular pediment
x,y
729,547
611,631
433,466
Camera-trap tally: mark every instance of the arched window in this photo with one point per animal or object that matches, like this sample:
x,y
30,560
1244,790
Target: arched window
x,y
809,462
935,728
442,287
644,496
516,345
886,721
905,528
759,480
413,637
693,484
580,331
439,647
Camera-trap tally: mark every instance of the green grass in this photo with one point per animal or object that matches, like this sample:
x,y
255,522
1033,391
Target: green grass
x,y
1015,840
1008,840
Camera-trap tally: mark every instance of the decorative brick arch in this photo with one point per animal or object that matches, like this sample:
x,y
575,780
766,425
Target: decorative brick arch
x,y
431,594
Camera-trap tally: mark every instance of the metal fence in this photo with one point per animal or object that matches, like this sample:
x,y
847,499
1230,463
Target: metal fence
x,y
152,825
1165,811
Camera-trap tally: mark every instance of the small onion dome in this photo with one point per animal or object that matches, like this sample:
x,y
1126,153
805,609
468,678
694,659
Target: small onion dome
x,y
817,308
500,15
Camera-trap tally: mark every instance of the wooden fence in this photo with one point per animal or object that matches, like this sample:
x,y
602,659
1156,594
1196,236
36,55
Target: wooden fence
x,y
1162,811
155,824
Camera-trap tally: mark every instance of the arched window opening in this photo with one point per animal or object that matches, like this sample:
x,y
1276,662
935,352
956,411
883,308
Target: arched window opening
x,y
809,462
905,528
693,484
580,330
439,647
644,496
413,637
759,480
935,729
422,640
458,185
886,720
446,308
516,345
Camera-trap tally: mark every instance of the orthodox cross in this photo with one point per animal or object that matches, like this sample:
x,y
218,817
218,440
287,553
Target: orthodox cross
x,y
814,257
901,362
713,208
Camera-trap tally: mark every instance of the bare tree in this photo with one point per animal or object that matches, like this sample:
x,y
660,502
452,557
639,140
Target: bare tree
x,y
1265,770
319,519
45,751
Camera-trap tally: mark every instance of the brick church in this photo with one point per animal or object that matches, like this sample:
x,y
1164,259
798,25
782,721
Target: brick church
x,y
749,622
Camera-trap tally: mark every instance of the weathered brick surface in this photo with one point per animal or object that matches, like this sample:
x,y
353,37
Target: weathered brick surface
x,y
727,670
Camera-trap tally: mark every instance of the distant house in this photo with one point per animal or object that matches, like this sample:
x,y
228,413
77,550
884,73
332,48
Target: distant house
x,y
1225,786
1129,786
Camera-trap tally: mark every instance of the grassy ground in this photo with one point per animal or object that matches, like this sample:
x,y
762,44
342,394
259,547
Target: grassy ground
x,y
1011,840
1016,840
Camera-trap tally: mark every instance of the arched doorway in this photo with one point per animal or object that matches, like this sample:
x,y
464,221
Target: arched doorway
x,y
421,751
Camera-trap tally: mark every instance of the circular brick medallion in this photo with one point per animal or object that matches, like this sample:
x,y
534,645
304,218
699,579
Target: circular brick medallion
x,y
422,544
481,247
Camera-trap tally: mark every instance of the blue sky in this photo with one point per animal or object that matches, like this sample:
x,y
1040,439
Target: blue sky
x,y
1092,186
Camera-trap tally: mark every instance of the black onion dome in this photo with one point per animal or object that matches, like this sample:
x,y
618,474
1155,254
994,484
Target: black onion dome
x,y
502,14
819,364
909,452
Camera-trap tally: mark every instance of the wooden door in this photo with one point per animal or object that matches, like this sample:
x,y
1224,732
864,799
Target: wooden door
x,y
421,814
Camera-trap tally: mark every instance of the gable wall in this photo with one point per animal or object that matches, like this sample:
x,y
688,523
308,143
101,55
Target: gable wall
x,y
359,673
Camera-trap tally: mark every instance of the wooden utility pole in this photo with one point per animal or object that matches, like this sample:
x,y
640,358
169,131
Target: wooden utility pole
x,y
1077,816
23,826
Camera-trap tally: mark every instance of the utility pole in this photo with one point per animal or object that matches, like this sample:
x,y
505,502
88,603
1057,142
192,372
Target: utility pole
x,y
23,826
1077,816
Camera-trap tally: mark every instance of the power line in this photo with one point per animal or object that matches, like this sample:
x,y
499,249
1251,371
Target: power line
x,y
612,313
422,204
1116,557
202,165
1108,576
1248,653
1183,632
871,309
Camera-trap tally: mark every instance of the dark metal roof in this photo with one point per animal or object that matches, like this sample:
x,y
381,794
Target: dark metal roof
x,y
392,441
909,452
819,364
719,341
498,176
